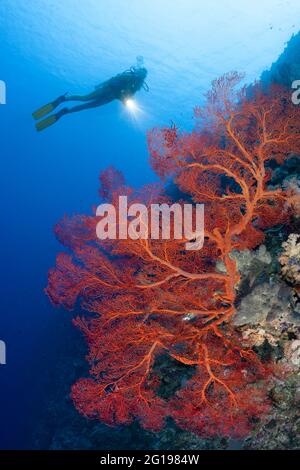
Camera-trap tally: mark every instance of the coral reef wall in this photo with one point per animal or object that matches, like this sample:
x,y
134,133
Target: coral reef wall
x,y
287,68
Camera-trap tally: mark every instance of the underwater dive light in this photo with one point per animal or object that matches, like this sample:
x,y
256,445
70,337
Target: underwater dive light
x,y
131,104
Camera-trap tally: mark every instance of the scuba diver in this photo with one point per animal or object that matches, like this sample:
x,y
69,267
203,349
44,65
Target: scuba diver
x,y
121,87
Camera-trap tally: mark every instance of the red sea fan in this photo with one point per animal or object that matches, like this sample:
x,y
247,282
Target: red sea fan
x,y
151,299
121,357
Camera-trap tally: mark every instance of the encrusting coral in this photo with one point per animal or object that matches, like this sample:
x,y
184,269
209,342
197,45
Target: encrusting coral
x,y
290,260
152,298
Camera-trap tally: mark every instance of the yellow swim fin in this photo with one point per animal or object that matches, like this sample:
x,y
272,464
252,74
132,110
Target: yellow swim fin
x,y
48,108
40,126
43,111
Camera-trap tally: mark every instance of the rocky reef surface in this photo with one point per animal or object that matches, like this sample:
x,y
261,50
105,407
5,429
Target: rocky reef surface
x,y
268,317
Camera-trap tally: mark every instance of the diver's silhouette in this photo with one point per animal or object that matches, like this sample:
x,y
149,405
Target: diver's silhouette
x,y
121,87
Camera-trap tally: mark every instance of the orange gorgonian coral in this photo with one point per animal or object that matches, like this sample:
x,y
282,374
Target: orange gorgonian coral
x,y
151,301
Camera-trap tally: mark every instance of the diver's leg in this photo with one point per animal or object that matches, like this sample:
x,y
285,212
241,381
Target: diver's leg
x,y
40,126
102,95
53,118
90,104
88,97
97,94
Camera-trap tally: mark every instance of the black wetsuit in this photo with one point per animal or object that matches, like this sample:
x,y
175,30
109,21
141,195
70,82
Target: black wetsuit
x,y
120,87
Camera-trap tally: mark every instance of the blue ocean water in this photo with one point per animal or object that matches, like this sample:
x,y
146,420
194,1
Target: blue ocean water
x,y
49,47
